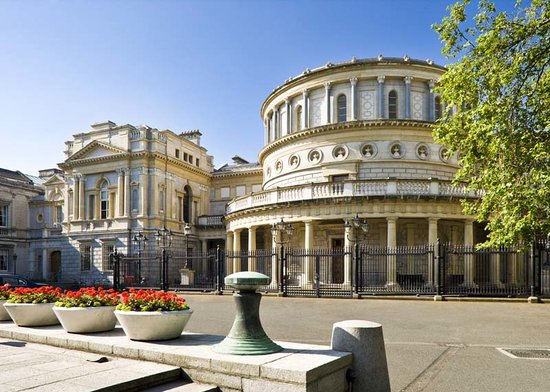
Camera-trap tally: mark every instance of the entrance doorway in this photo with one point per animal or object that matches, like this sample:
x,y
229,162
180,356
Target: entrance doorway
x,y
55,265
337,268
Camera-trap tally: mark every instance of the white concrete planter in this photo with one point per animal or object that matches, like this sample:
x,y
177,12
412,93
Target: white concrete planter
x,y
32,315
86,320
4,316
153,325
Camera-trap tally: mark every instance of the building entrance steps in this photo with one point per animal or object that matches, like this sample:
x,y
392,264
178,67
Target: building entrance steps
x,y
298,368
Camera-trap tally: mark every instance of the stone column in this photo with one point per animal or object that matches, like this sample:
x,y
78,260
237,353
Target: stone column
x,y
76,198
327,103
431,103
308,246
145,191
349,251
353,83
432,240
81,197
252,248
305,110
408,96
391,282
120,193
229,249
45,266
127,192
288,116
237,250
469,266
381,98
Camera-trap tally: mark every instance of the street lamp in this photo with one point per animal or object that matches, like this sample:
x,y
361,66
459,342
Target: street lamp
x,y
140,239
358,228
282,234
164,241
186,233
115,257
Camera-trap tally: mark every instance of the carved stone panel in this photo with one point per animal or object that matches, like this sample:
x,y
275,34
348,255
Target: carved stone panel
x,y
315,116
366,99
417,105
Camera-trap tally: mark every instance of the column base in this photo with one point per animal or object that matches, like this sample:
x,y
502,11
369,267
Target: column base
x,y
393,286
533,300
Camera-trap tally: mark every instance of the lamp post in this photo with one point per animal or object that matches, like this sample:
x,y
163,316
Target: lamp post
x,y
358,229
116,269
282,234
186,233
140,239
164,241
15,263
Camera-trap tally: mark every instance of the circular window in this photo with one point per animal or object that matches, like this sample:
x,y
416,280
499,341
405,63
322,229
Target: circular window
x,y
444,154
315,156
294,161
340,152
422,151
40,218
396,150
369,150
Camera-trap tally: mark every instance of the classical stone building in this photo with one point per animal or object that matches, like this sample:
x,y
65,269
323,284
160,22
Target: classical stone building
x,y
346,139
354,138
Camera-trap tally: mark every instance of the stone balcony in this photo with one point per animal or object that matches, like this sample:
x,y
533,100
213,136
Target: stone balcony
x,y
367,188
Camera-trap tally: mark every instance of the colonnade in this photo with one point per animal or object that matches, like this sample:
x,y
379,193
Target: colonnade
x,y
233,244
276,127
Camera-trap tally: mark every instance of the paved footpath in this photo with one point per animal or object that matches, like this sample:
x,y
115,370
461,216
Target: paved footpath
x,y
431,346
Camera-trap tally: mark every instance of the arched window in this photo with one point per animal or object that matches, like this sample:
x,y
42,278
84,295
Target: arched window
x,y
104,200
392,104
299,118
342,108
437,108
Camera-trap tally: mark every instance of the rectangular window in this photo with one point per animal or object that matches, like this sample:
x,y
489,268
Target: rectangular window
x,y
91,207
190,159
104,204
180,208
4,216
85,257
106,262
340,178
185,156
240,190
177,153
256,187
225,192
197,162
58,214
4,259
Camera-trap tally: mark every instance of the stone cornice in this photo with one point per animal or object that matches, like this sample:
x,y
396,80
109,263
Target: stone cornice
x,y
348,125
354,65
258,171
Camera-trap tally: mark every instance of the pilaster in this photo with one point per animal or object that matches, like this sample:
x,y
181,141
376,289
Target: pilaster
x,y
408,96
353,83
327,103
381,97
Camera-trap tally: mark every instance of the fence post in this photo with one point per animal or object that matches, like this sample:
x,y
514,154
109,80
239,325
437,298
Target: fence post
x,y
219,270
356,264
438,266
317,276
533,297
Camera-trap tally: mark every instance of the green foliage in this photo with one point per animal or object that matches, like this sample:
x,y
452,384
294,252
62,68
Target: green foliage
x,y
497,95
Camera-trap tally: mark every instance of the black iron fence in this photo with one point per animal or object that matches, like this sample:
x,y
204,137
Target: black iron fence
x,y
439,269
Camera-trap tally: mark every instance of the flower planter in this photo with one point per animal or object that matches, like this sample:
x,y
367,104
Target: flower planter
x,y
86,319
4,316
153,325
32,315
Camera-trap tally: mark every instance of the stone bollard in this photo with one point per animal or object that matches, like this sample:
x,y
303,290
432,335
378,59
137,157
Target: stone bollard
x,y
365,340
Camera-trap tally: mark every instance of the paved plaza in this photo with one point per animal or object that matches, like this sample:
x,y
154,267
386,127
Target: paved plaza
x,y
431,346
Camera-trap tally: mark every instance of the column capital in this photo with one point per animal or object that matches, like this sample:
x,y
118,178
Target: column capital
x,y
327,85
408,79
431,84
433,219
287,101
353,81
392,219
381,78
305,93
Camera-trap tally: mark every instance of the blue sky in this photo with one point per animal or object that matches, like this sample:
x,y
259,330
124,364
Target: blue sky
x,y
179,65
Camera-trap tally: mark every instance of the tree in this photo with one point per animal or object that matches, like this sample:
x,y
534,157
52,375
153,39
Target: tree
x,y
497,95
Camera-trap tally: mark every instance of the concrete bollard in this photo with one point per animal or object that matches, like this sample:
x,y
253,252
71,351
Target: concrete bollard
x,y
365,340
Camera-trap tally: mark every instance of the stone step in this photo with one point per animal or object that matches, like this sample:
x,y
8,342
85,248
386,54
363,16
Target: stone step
x,y
154,379
182,386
